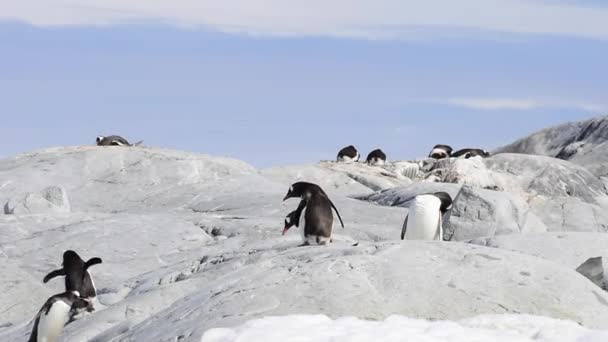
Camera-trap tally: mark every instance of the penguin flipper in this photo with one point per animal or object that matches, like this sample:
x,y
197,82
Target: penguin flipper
x,y
338,213
54,274
92,262
404,228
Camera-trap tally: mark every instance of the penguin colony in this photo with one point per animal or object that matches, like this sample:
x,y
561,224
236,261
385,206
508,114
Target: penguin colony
x,y
314,215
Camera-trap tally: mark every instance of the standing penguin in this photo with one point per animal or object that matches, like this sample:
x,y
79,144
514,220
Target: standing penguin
x,y
423,221
55,314
76,273
114,140
376,157
349,154
316,208
441,152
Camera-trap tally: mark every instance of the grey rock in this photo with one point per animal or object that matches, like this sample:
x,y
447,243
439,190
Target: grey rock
x,y
49,200
481,213
593,269
584,143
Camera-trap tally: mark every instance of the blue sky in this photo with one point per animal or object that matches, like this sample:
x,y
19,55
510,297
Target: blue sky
x,y
274,84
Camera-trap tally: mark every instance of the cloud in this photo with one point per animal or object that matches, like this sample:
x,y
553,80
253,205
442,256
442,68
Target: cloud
x,y
484,103
377,19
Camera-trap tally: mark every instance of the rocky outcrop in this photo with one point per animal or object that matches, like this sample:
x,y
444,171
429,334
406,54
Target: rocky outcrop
x,y
584,143
50,200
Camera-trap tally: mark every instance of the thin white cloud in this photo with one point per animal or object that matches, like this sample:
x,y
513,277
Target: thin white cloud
x,y
351,18
484,103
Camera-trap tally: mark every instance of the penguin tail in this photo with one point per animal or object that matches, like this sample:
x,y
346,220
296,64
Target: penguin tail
x,y
337,212
139,143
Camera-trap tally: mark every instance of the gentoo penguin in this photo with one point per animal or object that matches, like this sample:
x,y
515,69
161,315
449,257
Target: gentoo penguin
x,y
467,153
114,140
441,152
349,154
316,210
293,218
376,157
76,273
55,314
423,221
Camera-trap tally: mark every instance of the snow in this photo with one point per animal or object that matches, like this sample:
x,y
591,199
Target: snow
x,y
320,328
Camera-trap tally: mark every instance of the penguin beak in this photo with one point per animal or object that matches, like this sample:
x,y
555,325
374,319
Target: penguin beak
x,y
285,230
286,197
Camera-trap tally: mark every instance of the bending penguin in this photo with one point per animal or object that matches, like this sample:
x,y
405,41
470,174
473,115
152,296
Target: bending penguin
x,y
376,157
114,140
77,275
349,154
423,221
55,314
467,153
315,209
441,152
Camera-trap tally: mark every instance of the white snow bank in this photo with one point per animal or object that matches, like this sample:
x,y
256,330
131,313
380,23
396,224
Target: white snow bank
x,y
320,328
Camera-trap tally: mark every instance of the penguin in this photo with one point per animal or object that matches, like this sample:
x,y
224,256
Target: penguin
x,y
316,209
293,218
76,273
56,312
376,157
349,154
467,153
114,140
441,152
424,219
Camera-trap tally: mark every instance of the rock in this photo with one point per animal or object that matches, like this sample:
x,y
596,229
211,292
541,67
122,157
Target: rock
x,y
430,280
593,269
583,143
482,213
51,200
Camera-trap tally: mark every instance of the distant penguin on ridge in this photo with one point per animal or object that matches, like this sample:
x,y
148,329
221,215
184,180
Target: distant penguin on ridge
x,y
315,209
441,152
349,154
376,157
77,275
114,140
424,219
56,312
467,153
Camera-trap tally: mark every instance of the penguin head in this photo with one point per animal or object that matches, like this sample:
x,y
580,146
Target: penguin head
x,y
71,258
446,201
99,139
486,154
290,221
296,190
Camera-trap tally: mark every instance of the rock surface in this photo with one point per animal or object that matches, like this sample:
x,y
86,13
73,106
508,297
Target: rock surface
x,y
584,143
192,242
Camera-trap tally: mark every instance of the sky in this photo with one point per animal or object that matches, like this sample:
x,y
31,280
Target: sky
x,y
276,82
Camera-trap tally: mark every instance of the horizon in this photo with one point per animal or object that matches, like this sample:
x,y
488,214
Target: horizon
x,y
266,86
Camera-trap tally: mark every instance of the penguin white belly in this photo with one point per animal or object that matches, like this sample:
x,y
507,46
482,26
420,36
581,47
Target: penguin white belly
x,y
377,162
346,159
50,326
424,219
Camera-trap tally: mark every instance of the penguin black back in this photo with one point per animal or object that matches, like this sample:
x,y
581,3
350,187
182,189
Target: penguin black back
x,y
307,191
349,152
376,156
75,271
